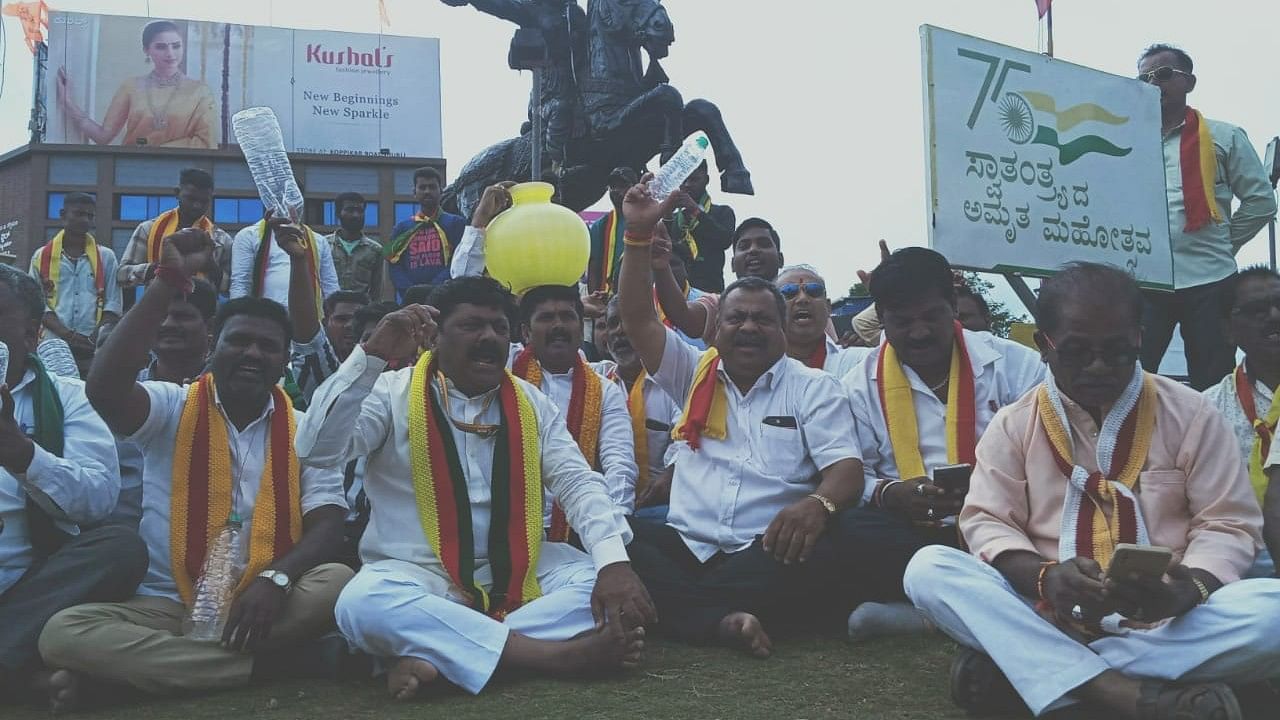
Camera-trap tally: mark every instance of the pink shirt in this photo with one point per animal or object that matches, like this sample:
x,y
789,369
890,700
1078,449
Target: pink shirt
x,y
1193,489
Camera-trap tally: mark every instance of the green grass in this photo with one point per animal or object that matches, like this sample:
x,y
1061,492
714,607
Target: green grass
x,y
806,678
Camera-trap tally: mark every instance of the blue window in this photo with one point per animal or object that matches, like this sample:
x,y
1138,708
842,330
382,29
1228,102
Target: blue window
x,y
330,216
406,210
237,211
137,208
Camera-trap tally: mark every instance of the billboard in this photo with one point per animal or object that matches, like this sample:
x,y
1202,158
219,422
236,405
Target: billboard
x,y
1034,162
115,80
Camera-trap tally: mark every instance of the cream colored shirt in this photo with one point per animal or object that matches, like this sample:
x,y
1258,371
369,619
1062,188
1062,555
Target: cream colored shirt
x,y
1193,489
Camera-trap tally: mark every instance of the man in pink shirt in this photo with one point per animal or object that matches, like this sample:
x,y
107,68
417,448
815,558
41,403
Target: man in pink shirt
x,y
1102,454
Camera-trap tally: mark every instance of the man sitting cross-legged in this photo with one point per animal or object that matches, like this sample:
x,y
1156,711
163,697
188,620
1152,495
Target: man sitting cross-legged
x,y
457,580
750,536
219,451
1102,454
58,469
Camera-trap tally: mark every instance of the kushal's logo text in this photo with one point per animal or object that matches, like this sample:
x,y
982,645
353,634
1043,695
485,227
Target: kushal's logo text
x,y
316,53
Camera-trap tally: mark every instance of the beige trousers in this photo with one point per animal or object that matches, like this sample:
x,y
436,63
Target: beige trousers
x,y
138,642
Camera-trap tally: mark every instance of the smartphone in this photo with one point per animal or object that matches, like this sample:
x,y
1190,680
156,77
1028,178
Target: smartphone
x,y
953,478
1146,561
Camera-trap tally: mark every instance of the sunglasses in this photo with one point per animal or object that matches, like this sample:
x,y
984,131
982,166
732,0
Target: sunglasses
x,y
1161,74
1084,357
815,290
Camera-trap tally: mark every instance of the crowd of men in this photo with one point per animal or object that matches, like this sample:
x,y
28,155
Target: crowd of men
x,y
478,483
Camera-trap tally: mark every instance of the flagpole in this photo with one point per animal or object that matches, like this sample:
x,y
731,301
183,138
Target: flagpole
x,y
1049,17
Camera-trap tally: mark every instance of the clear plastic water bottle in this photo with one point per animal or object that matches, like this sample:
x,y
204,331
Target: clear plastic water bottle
x,y
4,363
681,165
56,355
258,133
215,588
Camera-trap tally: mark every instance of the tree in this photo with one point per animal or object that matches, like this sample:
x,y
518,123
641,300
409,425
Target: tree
x,y
1001,315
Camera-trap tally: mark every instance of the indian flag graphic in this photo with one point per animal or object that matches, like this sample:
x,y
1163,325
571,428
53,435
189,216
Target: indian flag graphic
x,y
1034,117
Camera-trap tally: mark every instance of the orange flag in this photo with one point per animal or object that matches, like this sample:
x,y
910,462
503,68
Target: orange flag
x,y
34,17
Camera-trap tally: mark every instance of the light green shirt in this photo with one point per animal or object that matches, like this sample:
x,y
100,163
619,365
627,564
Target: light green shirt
x,y
1208,254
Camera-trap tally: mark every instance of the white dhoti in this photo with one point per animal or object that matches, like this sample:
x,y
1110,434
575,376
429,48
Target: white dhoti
x,y
397,609
1231,638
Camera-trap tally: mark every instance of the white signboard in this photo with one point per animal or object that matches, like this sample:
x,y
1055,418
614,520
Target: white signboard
x,y
1035,162
116,80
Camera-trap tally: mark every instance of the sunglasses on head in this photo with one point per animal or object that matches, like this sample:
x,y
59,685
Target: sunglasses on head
x,y
1161,74
812,289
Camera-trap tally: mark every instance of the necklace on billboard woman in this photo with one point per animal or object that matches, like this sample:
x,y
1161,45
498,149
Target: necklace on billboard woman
x,y
160,116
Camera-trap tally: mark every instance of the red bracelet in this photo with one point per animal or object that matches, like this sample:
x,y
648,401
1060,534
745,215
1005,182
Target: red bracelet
x,y
175,279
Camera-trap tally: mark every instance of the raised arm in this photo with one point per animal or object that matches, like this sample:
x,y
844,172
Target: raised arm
x,y
468,258
689,318
112,387
302,293
635,284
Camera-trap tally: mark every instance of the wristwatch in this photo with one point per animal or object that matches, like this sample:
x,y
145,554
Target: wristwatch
x,y
277,578
826,503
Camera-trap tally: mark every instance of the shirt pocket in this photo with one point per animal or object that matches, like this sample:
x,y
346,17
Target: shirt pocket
x,y
780,451
1162,494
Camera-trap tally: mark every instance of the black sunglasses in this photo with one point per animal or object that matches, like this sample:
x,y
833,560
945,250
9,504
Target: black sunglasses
x,y
1161,74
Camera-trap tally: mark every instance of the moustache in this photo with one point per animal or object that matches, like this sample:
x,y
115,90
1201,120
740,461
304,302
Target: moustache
x,y
748,340
486,352
562,335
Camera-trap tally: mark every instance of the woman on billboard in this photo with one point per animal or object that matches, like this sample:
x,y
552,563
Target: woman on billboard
x,y
163,107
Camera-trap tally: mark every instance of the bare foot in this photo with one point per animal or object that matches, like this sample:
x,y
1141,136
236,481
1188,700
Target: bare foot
x,y
408,676
62,688
603,650
743,630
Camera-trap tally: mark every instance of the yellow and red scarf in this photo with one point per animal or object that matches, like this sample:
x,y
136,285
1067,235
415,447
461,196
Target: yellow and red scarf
x,y
900,411
639,429
399,243
165,225
818,359
444,508
201,499
706,409
688,226
600,274
1123,443
1199,172
583,418
1264,428
51,268
262,261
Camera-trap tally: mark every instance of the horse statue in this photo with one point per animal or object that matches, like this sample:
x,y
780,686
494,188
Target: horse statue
x,y
624,115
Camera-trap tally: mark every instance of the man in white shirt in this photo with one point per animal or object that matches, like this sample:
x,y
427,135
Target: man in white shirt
x,y
290,517
1204,233
808,315
1245,396
750,535
440,592
58,469
941,385
248,279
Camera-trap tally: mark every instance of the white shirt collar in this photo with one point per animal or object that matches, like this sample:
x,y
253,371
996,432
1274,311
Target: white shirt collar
x,y
981,354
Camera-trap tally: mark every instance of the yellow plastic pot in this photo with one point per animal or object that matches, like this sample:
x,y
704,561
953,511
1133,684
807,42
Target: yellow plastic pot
x,y
535,242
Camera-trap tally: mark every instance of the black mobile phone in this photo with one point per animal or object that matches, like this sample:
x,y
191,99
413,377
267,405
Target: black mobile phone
x,y
953,478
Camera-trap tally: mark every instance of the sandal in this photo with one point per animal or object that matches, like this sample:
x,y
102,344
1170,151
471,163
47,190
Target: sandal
x,y
979,688
1204,701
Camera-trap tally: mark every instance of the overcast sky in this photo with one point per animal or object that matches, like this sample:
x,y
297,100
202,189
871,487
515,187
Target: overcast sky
x,y
822,96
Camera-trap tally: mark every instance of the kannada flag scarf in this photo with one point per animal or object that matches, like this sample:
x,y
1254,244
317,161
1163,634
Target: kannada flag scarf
x,y
201,499
687,226
1199,172
164,226
818,359
583,418
640,431
604,261
1123,442
706,410
51,269
392,250
444,508
262,260
900,412
1265,429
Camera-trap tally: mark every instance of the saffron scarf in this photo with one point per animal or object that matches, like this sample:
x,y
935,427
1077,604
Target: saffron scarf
x,y
603,268
201,498
688,226
49,420
1123,443
706,409
262,260
444,508
639,429
1264,428
165,225
900,411
818,360
394,249
583,418
1199,172
51,269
